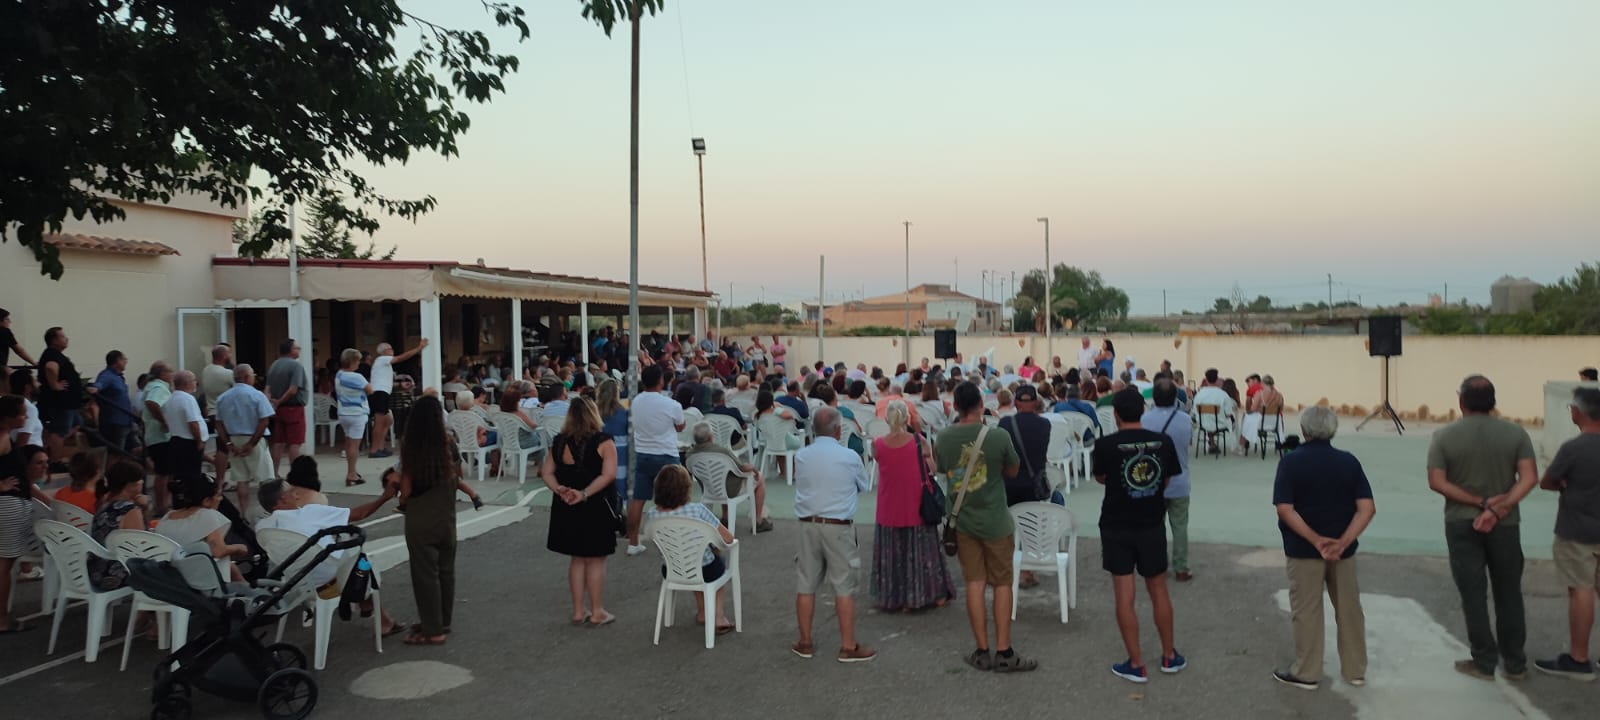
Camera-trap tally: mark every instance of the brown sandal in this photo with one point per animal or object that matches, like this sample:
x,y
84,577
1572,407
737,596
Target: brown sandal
x,y
417,638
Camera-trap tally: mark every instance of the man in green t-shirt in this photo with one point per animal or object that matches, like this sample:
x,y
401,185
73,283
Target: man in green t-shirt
x,y
984,539
1483,466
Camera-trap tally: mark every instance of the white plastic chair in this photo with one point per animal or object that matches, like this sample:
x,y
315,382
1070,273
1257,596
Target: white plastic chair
x,y
69,548
775,431
877,428
1060,454
682,542
1081,425
932,420
465,424
1107,416
1042,529
279,544
512,451
745,403
691,418
72,515
323,416
129,544
712,470
723,428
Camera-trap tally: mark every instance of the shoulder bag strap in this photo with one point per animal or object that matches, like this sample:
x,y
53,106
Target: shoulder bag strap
x,y
1168,423
1016,432
916,441
972,466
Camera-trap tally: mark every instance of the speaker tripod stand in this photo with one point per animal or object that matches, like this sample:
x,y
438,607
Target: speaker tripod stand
x,y
1387,410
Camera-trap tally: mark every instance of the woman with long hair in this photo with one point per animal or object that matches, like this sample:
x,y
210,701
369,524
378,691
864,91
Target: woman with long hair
x,y
581,470
429,477
614,421
1106,362
908,570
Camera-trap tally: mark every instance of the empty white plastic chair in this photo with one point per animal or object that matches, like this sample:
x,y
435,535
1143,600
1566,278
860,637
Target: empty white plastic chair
x,y
1081,425
280,544
69,549
465,424
322,416
682,542
712,471
129,544
1047,541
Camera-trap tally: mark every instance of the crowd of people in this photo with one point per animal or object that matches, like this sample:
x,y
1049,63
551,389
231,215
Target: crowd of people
x,y
980,427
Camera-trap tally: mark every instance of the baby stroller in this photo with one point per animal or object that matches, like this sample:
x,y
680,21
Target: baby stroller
x,y
227,658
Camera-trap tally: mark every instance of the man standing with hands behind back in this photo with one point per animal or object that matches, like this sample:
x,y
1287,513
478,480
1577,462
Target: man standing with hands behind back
x,y
1483,466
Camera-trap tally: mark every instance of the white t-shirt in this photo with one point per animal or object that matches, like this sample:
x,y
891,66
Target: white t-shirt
x,y
31,426
1086,358
308,521
182,409
1213,395
655,419
383,374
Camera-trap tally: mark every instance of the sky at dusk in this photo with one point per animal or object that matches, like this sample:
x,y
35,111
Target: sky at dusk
x,y
1178,146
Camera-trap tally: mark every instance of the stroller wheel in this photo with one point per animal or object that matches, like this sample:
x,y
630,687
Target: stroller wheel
x,y
288,694
286,655
173,707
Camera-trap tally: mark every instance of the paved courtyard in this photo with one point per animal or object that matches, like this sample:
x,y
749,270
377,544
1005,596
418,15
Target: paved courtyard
x,y
513,654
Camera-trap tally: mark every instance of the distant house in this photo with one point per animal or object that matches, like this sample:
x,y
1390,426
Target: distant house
x,y
932,306
1510,295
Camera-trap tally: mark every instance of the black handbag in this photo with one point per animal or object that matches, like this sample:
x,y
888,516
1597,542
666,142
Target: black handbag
x,y
932,507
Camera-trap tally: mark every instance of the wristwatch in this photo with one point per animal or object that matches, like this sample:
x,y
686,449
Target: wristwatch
x,y
1484,504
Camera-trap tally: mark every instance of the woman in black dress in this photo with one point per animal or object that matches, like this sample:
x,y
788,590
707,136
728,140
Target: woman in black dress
x,y
581,470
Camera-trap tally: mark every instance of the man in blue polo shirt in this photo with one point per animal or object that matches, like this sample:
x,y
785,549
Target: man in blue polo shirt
x,y
1324,502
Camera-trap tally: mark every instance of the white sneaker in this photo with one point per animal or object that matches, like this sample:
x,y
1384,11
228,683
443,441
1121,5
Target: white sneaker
x,y
636,549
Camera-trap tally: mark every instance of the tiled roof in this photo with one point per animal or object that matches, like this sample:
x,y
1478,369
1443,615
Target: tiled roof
x,y
97,243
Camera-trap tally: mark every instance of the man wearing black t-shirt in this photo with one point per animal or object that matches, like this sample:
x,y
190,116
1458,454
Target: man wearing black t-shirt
x,y
61,394
1134,464
8,343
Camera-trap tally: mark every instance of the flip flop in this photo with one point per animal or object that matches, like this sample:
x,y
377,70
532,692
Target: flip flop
x,y
725,629
610,618
15,627
581,621
420,639
352,483
395,629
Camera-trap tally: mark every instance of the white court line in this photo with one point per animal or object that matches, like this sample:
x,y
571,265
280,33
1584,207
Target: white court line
x,y
109,644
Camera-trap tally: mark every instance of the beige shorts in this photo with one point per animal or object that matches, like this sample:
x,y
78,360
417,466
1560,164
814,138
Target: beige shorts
x,y
1577,564
255,467
827,551
985,561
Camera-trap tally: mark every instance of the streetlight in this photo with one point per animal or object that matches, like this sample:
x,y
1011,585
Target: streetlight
x,y
1049,277
699,145
907,341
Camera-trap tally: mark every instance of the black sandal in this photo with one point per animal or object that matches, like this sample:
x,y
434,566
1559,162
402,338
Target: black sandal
x,y
981,660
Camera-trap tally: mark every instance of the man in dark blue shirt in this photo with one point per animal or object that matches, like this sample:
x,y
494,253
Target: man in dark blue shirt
x,y
1073,403
116,407
1324,502
794,401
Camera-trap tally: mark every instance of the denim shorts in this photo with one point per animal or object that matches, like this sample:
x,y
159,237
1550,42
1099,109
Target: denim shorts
x,y
644,476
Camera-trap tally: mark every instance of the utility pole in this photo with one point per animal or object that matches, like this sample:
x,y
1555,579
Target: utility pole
x,y
1447,293
821,305
699,145
633,233
1049,279
1330,296
907,341
1163,303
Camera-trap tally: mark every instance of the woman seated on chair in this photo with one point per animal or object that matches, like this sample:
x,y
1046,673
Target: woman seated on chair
x,y
1266,401
194,518
122,507
672,500
511,404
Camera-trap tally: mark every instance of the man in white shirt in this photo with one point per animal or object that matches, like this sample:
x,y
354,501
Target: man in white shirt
x,y
657,419
243,414
827,478
289,508
382,385
32,431
1086,359
188,427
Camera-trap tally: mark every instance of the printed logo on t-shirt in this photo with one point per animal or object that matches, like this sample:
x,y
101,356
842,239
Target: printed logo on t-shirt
x,y
1141,473
980,472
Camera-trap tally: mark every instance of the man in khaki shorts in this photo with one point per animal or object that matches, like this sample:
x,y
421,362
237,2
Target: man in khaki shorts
x,y
827,477
243,412
984,532
1575,473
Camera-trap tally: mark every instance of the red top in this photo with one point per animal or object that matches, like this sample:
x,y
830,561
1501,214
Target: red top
x,y
82,498
899,484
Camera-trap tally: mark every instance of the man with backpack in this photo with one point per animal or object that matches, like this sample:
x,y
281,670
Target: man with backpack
x,y
1170,420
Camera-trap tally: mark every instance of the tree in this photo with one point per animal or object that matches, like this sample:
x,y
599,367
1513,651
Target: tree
x,y
146,101
1078,295
325,237
1570,306
1222,305
1262,304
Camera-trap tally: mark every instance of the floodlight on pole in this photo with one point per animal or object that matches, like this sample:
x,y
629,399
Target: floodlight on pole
x,y
699,147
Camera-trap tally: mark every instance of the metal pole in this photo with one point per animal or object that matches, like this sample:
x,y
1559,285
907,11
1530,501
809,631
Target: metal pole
x,y
907,341
1049,280
633,235
705,279
1330,296
821,306
1163,303
294,263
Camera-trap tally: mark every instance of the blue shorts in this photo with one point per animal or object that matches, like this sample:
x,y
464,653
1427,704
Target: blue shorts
x,y
60,421
644,476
